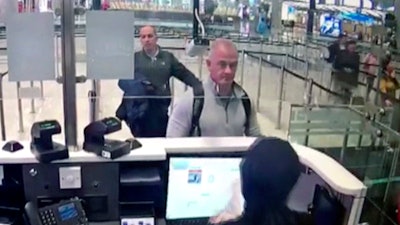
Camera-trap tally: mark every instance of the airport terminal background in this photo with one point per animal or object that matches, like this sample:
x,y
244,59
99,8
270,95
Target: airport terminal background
x,y
284,74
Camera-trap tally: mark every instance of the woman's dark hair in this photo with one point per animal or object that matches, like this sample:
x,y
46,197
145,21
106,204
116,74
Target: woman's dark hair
x,y
269,172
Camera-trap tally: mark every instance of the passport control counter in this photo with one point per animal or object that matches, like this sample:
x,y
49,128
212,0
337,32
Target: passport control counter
x,y
157,180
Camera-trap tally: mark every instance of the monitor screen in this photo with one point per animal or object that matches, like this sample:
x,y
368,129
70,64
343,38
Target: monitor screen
x,y
330,25
200,187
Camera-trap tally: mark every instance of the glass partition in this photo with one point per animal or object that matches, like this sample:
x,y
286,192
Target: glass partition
x,y
275,72
359,139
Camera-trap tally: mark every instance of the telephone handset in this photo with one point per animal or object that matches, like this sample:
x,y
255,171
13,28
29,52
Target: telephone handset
x,y
68,212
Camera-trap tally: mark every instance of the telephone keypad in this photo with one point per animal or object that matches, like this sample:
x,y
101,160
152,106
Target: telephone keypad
x,y
47,217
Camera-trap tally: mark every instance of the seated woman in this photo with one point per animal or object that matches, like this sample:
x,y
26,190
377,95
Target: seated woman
x,y
269,172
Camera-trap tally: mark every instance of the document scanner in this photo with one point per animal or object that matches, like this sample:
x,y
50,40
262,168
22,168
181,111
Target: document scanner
x,y
42,145
96,142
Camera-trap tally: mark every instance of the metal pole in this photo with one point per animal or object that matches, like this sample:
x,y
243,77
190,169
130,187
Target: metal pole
x,y
280,98
69,73
98,98
196,8
57,58
94,101
308,92
20,114
392,172
2,120
259,79
242,68
172,86
42,90
345,142
321,80
92,96
307,72
32,100
201,66
307,103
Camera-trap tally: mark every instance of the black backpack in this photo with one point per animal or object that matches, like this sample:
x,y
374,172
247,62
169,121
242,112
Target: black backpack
x,y
198,103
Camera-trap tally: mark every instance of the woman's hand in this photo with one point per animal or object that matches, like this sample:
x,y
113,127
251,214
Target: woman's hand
x,y
223,217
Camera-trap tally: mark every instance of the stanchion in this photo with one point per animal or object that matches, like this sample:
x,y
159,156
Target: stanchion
x,y
259,79
68,65
98,98
321,78
307,104
41,90
281,88
20,114
200,67
2,120
93,102
242,68
172,86
308,91
32,100
344,145
91,96
307,69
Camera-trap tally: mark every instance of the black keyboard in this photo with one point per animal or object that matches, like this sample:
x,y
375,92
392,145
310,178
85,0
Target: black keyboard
x,y
194,221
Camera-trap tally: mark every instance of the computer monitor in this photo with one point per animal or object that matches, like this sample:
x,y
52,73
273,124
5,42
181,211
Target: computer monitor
x,y
200,187
330,25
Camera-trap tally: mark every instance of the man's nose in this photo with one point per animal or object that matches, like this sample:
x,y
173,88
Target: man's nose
x,y
228,70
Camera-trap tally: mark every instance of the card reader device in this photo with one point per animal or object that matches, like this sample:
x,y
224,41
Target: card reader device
x,y
42,144
96,142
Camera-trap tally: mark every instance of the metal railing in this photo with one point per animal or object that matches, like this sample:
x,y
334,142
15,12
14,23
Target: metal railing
x,y
255,55
2,116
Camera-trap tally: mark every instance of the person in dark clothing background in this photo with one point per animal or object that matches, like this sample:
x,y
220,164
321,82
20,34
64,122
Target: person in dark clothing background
x,y
156,66
346,68
336,47
269,171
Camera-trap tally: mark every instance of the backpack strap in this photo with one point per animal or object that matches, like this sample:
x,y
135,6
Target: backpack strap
x,y
198,103
247,110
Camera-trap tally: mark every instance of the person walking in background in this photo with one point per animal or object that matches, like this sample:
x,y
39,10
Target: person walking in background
x,y
147,116
370,66
388,84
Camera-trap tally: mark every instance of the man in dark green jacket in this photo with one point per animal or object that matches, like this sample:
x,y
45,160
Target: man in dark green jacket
x,y
158,66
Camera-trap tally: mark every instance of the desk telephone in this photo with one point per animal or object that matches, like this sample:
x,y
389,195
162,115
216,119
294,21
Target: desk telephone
x,y
68,212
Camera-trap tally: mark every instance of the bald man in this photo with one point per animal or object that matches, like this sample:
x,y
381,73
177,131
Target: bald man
x,y
224,112
159,65
153,69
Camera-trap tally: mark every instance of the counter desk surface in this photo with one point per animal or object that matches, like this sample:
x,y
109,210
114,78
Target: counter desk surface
x,y
156,149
